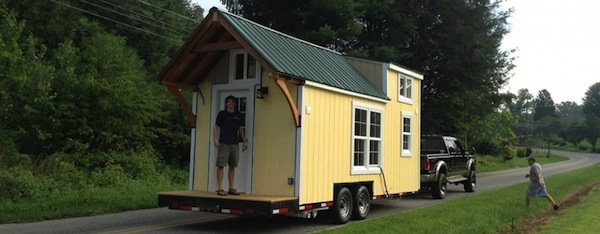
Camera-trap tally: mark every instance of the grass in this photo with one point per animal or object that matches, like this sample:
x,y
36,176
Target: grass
x,y
486,163
135,194
499,211
582,218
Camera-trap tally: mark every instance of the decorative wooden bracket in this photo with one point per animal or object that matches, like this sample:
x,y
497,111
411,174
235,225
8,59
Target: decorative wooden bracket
x,y
281,83
187,108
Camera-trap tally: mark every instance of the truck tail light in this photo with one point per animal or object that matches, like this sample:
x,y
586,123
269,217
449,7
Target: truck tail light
x,y
427,165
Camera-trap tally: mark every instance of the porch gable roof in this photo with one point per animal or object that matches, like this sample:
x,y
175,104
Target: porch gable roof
x,y
279,53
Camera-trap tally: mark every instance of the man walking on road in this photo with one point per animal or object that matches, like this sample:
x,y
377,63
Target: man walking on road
x,y
537,185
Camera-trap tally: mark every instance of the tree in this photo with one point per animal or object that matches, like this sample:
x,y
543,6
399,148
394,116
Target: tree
x,y
543,106
591,101
493,132
523,105
522,109
569,110
591,112
68,83
569,114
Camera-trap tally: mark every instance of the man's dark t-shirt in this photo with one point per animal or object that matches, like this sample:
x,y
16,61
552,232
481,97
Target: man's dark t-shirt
x,y
229,124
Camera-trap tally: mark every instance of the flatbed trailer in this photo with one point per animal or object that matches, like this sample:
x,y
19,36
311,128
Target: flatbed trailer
x,y
243,204
248,204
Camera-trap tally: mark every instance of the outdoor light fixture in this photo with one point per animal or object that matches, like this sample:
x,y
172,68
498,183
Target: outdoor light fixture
x,y
261,91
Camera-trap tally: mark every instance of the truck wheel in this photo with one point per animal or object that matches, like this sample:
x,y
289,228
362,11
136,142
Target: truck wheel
x,y
438,189
362,203
470,182
342,206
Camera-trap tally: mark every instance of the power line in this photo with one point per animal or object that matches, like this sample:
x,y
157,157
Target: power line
x,y
115,21
119,13
147,17
177,14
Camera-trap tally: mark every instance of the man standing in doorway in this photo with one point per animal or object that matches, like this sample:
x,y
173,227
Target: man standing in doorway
x,y
229,127
537,185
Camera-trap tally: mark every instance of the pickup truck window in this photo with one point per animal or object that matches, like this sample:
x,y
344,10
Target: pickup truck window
x,y
433,145
451,147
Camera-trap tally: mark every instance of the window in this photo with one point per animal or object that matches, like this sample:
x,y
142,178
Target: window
x,y
244,66
404,89
406,135
367,139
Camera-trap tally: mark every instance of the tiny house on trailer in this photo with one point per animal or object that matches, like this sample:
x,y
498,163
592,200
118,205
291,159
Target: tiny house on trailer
x,y
326,132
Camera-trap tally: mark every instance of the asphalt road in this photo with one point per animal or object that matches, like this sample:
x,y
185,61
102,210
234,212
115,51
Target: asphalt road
x,y
162,220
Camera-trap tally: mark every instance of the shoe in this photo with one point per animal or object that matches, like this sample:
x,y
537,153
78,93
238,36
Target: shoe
x,y
233,192
221,192
555,207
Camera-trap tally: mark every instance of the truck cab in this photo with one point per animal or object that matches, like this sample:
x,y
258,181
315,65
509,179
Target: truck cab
x,y
444,160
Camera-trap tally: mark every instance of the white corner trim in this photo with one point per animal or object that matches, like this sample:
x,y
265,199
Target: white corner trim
x,y
406,71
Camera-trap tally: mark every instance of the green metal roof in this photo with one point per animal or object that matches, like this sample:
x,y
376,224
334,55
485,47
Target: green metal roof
x,y
303,60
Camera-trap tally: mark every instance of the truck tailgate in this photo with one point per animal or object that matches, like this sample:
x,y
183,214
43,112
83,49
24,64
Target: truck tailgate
x,y
243,204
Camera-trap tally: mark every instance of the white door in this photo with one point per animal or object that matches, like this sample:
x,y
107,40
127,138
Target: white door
x,y
243,173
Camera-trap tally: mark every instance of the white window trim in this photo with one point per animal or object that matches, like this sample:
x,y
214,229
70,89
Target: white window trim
x,y
402,98
367,169
232,61
406,153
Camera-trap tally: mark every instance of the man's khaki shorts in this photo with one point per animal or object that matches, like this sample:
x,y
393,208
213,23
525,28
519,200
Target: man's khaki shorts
x,y
228,154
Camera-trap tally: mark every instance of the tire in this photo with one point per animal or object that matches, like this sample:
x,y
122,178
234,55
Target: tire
x,y
439,188
362,203
471,182
342,207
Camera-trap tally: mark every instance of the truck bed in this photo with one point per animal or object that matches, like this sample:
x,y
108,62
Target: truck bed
x,y
243,204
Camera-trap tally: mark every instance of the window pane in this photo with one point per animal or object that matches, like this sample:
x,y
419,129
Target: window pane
x,y
406,142
406,125
375,124
359,152
374,153
402,86
360,122
239,66
251,71
408,88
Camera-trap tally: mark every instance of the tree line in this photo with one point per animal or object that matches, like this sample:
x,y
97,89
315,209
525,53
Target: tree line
x,y
558,124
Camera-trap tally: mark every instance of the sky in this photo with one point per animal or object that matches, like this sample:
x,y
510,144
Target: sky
x,y
557,45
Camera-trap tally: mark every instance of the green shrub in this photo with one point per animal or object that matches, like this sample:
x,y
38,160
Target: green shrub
x,y
584,145
111,176
521,152
16,184
509,152
9,155
528,152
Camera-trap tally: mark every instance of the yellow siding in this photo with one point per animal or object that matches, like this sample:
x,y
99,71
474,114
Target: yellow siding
x,y
203,134
327,143
274,143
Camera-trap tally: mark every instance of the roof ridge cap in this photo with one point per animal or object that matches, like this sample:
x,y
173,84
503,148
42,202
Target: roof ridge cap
x,y
280,33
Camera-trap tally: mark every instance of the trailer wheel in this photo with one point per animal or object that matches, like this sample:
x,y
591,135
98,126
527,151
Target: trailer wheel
x,y
471,181
362,203
342,206
438,189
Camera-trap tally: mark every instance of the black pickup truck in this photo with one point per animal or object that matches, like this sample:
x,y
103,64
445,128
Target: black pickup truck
x,y
443,161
